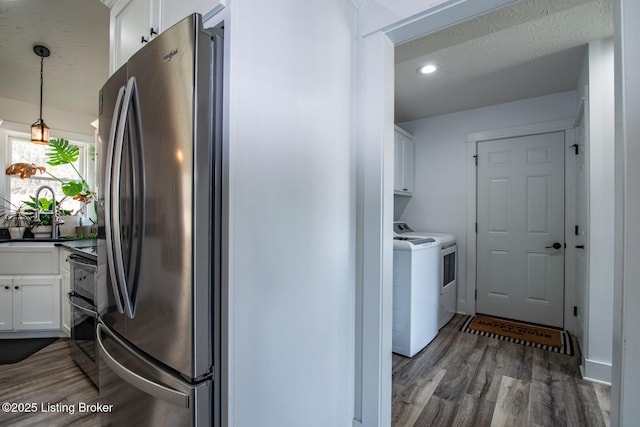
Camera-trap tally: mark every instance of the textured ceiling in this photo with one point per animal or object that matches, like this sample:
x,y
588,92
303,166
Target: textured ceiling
x,y
513,53
76,32
529,49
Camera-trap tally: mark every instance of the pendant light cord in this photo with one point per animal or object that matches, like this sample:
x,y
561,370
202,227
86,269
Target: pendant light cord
x,y
41,80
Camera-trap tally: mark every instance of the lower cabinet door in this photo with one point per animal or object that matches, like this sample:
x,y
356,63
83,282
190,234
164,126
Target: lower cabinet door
x,y
36,303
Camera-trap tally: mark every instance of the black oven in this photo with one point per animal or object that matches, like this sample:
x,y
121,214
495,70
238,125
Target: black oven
x,y
84,315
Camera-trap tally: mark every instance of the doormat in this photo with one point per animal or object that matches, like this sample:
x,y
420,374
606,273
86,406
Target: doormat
x,y
14,350
556,340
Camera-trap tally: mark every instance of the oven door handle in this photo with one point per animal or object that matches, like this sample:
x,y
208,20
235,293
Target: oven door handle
x,y
78,260
72,294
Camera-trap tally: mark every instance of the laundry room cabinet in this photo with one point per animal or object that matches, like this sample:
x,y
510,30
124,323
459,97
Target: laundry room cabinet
x,y
136,22
404,152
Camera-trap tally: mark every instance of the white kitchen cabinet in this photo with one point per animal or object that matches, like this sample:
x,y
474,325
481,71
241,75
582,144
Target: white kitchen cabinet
x,y
30,300
34,303
135,22
132,25
28,258
404,151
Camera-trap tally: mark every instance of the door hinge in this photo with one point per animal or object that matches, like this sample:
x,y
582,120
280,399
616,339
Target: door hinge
x,y
476,227
576,230
476,295
576,148
575,311
475,158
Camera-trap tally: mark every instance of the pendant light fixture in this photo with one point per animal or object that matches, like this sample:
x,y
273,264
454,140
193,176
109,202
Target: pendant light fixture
x,y
39,130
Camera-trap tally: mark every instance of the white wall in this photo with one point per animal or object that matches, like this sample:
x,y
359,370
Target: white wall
x,y
625,410
24,113
441,166
600,239
291,212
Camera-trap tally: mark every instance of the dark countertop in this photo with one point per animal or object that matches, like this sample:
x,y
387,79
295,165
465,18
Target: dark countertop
x,y
46,240
84,247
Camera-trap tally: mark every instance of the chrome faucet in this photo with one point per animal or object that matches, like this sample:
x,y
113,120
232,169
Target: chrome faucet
x,y
54,215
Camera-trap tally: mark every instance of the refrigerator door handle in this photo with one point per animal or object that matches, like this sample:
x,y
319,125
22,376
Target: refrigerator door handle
x,y
141,383
116,237
109,175
115,199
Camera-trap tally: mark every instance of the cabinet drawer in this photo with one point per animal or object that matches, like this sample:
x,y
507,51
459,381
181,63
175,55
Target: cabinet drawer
x,y
29,260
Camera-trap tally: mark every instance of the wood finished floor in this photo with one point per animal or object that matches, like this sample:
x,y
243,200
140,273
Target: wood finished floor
x,y
47,377
461,379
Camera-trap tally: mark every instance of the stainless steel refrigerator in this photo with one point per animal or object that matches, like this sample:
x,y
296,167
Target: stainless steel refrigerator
x,y
159,218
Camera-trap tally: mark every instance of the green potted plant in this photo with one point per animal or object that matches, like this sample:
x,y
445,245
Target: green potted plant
x,y
16,218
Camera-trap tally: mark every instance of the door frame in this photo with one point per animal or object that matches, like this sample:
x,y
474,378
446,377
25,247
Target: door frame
x,y
468,304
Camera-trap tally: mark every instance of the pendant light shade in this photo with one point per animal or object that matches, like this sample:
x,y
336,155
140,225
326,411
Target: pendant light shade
x,y
39,130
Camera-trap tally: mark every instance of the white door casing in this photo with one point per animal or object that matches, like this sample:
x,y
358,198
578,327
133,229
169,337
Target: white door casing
x,y
581,265
520,213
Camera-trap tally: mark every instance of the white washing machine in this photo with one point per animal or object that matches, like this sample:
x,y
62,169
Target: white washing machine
x,y
447,268
415,293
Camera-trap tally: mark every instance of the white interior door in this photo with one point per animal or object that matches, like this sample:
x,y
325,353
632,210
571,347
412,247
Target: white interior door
x,y
520,217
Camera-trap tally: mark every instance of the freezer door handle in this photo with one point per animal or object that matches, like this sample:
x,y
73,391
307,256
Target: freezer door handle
x,y
141,383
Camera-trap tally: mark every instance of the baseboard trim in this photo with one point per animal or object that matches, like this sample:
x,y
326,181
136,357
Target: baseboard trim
x,y
597,372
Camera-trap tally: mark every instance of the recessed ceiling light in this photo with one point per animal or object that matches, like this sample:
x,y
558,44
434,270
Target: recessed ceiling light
x,y
428,69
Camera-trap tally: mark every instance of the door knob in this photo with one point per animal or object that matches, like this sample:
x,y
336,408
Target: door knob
x,y
556,245
7,287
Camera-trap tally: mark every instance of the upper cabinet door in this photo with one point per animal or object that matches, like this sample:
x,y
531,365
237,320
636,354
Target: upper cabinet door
x,y
131,24
403,163
398,151
408,161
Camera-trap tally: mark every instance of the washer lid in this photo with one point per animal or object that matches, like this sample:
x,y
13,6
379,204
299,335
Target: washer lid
x,y
443,238
415,240
413,243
